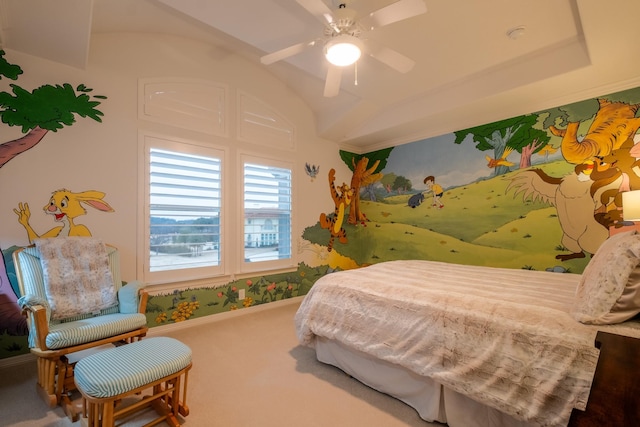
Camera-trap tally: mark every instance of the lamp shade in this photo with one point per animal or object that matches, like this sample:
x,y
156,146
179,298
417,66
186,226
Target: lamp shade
x,y
343,50
631,205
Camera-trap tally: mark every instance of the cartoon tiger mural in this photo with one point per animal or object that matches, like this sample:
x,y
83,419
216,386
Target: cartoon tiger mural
x,y
342,200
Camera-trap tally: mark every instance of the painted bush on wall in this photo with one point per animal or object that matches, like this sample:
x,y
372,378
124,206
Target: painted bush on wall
x,y
184,304
540,191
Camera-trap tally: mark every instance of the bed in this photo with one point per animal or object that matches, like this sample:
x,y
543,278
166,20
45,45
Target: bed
x,y
475,346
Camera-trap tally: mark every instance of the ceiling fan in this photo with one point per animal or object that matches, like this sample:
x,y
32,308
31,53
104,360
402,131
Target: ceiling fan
x,y
343,30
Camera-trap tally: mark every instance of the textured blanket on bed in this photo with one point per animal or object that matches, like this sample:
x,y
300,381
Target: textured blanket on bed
x,y
500,336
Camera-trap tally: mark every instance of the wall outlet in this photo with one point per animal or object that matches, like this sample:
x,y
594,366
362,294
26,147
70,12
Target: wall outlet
x,y
241,293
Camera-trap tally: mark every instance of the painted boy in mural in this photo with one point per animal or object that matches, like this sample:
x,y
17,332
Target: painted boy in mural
x,y
436,189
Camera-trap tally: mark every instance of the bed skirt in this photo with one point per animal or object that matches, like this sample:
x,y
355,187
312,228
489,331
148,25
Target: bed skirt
x,y
432,401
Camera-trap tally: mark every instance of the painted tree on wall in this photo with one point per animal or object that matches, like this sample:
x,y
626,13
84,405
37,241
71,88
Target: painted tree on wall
x,y
515,134
46,108
363,177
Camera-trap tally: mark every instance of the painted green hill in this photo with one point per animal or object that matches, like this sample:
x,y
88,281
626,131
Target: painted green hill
x,y
480,224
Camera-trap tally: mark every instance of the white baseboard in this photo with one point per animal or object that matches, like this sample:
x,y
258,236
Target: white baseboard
x,y
17,360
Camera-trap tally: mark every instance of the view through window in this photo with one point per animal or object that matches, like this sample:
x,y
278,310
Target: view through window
x,y
267,212
184,210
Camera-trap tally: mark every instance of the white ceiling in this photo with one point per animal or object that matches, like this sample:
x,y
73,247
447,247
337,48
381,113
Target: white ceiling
x,y
468,71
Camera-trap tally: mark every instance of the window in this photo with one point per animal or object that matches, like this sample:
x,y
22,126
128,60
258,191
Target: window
x,y
267,214
184,228
189,230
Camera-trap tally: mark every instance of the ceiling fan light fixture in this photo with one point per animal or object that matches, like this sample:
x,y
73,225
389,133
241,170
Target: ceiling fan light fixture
x,y
343,50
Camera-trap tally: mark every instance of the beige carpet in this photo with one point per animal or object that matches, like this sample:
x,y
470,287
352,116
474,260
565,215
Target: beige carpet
x,y
248,371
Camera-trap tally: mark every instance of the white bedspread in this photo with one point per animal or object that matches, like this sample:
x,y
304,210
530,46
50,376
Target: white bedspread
x,y
500,336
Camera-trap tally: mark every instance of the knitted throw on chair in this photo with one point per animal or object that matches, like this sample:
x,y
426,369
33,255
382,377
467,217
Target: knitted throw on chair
x,y
76,273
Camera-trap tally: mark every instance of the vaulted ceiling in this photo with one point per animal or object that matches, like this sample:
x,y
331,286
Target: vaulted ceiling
x,y
470,66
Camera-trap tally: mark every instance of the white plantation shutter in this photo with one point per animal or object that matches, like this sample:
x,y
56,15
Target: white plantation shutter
x,y
184,196
267,213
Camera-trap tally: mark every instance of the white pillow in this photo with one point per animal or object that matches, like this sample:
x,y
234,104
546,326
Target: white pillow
x,y
608,291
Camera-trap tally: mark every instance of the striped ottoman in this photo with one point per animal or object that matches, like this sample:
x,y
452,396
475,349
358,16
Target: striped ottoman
x,y
159,364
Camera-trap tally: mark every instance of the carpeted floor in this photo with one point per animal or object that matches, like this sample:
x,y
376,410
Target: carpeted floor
x,y
248,371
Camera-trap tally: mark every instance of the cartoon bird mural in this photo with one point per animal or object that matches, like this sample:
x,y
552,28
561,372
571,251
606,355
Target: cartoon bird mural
x,y
65,206
571,196
334,222
311,170
502,161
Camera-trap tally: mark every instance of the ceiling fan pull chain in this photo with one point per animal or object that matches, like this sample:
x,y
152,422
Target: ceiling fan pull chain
x,y
356,73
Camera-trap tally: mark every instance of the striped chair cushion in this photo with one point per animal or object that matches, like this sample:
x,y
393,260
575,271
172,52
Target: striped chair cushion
x,y
66,334
122,369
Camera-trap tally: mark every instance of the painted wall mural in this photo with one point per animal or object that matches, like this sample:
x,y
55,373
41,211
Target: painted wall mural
x,y
342,201
463,197
550,209
47,108
184,304
64,206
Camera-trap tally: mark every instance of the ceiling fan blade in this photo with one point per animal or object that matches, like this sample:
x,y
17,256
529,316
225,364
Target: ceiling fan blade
x,y
392,58
318,9
332,84
286,52
395,12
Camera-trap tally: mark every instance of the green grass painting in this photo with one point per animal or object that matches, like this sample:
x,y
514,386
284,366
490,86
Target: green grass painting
x,y
480,224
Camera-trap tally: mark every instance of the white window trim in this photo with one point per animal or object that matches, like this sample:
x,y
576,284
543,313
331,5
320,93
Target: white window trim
x,y
174,143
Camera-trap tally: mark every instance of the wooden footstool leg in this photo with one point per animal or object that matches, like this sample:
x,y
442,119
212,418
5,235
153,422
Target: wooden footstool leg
x,y
107,414
173,401
93,415
182,407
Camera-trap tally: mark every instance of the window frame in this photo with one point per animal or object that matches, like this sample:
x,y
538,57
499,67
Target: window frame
x,y
268,265
148,141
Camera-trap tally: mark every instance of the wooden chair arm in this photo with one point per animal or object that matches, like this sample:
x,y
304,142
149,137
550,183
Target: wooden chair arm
x,y
40,323
143,297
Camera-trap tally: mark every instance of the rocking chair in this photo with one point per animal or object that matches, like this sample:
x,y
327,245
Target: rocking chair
x,y
74,300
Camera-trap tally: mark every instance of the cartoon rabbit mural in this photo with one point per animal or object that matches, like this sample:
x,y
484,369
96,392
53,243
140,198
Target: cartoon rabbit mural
x,y
65,206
